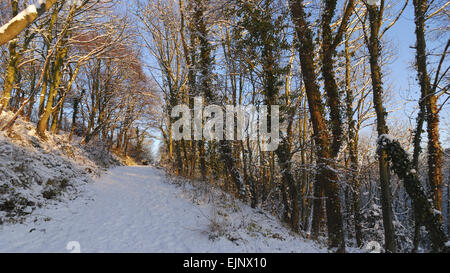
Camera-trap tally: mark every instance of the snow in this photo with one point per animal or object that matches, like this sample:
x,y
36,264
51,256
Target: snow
x,y
29,11
437,212
386,137
447,244
373,2
135,209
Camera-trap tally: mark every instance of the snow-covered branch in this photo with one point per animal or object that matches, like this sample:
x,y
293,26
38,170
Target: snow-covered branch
x,y
17,24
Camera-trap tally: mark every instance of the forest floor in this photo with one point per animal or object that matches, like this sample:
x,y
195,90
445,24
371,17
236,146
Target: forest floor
x,y
137,209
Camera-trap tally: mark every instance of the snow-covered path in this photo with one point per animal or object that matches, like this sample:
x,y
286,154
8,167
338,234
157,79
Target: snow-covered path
x,y
129,209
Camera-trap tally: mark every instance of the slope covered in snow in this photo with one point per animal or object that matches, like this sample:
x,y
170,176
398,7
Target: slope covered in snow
x,y
34,172
136,209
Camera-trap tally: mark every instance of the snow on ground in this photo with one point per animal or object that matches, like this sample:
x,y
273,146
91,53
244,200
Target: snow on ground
x,y
135,209
34,172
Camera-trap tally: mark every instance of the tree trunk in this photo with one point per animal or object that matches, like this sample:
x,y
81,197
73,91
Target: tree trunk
x,y
326,174
11,70
435,154
57,76
386,195
403,167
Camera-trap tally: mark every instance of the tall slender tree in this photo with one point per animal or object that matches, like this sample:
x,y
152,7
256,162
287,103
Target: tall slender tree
x,y
327,177
373,44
